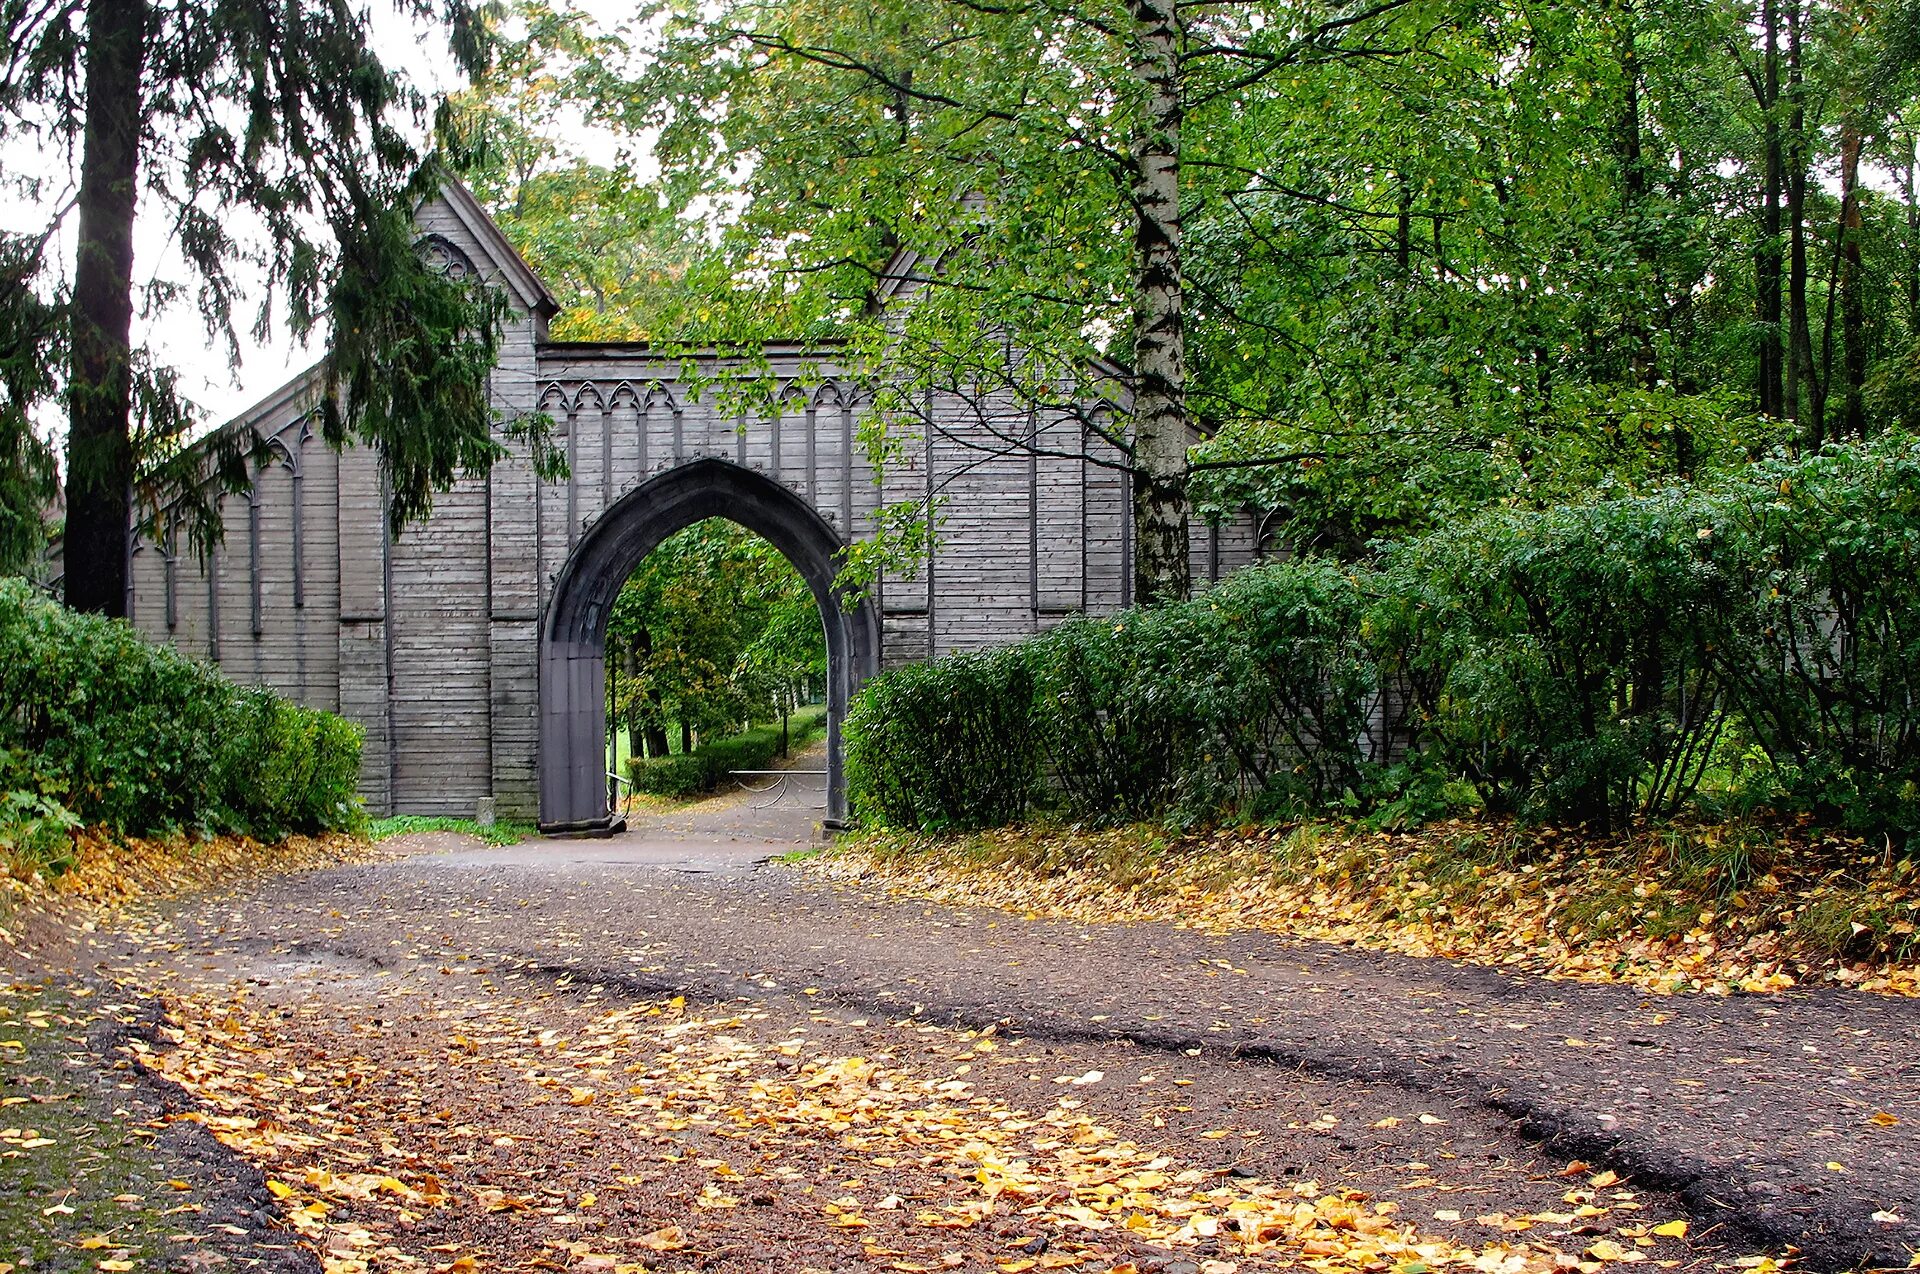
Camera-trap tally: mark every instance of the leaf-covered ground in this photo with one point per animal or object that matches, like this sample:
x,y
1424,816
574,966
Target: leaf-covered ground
x,y
1710,909
94,1176
468,1126
41,904
669,1054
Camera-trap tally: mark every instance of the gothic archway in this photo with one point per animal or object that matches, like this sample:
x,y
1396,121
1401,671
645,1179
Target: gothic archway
x,y
573,632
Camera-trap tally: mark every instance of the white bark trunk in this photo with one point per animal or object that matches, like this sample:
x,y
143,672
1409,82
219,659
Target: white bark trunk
x,y
1161,570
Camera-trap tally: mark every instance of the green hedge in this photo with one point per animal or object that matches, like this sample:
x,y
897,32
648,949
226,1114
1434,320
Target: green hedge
x,y
1251,695
1758,637
708,766
946,744
1564,661
99,722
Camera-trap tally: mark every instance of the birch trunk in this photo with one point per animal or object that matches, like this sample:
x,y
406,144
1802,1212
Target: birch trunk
x,y
1161,567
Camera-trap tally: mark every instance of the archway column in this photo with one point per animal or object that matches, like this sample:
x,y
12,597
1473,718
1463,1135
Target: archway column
x,y
573,631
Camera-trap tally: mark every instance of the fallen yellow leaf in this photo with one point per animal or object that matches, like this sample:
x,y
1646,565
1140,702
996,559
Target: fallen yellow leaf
x,y
666,1239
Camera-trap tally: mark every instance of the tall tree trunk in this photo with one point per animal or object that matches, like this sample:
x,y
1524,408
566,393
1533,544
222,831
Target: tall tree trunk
x,y
1403,225
1799,333
1634,188
1767,257
100,389
1909,193
1161,567
1853,307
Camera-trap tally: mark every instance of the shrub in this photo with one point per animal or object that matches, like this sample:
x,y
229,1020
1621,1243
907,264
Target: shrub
x,y
1825,654
1563,660
1251,695
1127,712
948,744
142,739
682,774
36,830
1589,663
1293,679
708,766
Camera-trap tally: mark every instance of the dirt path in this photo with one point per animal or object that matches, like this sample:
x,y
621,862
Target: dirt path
x,y
764,810
1457,1095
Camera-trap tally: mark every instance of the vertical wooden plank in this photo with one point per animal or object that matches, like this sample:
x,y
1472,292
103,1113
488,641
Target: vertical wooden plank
x,y
213,603
606,456
573,473
253,561
512,533
847,527
812,488
1033,513
298,466
172,561
933,588
360,567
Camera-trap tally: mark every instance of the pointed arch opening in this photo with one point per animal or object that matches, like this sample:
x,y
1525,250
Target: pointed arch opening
x,y
573,631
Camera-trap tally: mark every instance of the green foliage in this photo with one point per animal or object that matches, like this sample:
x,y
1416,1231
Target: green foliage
x,y
713,629
36,830
619,253
1588,663
1248,697
135,736
410,364
1562,660
29,476
270,135
948,744
1438,258
1592,662
709,766
1825,648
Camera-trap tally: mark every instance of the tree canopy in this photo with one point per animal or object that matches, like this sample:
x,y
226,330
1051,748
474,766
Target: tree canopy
x,y
714,629
1427,256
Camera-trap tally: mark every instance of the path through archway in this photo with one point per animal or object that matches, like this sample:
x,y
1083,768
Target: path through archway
x,y
573,706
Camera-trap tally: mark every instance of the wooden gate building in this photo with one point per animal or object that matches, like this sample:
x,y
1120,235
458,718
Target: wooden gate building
x,y
471,646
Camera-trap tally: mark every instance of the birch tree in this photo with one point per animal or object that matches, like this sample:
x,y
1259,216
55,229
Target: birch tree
x,y
1032,158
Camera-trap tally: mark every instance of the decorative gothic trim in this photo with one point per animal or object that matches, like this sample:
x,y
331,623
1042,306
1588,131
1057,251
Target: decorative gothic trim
x,y
443,254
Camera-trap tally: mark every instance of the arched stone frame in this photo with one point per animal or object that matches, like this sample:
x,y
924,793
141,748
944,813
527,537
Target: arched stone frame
x,y
573,631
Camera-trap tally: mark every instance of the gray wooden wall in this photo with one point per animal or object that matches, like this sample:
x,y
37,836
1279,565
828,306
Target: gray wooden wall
x,y
430,640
